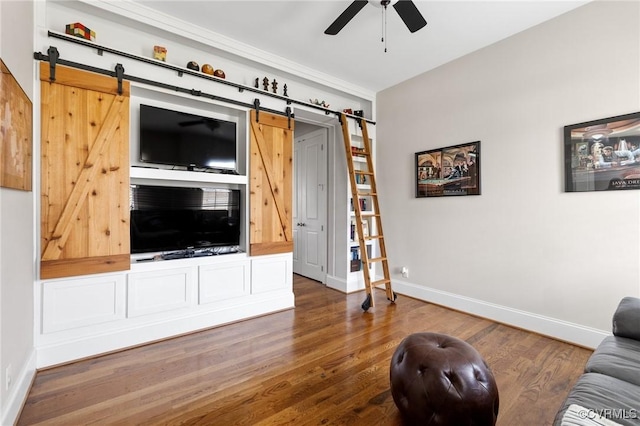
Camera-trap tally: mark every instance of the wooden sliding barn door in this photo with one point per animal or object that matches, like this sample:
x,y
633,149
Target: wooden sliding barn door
x,y
84,173
271,184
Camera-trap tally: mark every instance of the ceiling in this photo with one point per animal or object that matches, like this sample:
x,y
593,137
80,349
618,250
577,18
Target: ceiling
x,y
295,30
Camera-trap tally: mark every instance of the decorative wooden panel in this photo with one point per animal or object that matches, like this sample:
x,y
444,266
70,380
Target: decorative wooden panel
x,y
271,184
84,173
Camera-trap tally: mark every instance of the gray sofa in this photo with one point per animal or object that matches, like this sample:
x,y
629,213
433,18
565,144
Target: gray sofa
x,y
608,393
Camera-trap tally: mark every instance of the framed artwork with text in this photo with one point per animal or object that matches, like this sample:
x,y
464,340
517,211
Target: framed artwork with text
x,y
449,171
603,155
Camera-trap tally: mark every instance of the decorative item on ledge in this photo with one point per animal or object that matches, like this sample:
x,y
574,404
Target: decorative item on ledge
x,y
79,30
219,74
193,65
319,103
160,53
207,69
274,86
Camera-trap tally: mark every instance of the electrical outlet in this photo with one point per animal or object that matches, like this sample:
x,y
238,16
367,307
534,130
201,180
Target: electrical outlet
x,y
7,377
405,272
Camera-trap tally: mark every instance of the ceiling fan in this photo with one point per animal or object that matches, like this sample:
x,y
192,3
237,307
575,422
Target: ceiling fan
x,y
407,10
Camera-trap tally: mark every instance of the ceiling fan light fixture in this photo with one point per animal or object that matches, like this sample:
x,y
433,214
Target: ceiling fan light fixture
x,y
384,3
406,9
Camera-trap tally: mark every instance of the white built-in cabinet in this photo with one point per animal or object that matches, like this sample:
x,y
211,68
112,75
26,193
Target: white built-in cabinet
x,y
89,315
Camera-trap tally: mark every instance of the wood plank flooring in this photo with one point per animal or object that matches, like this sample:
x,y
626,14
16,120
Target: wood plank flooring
x,y
325,362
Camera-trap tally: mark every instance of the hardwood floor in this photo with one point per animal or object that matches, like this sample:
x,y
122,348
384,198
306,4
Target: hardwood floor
x,y
324,362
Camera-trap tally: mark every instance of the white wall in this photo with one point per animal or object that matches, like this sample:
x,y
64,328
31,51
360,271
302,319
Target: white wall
x,y
17,255
523,252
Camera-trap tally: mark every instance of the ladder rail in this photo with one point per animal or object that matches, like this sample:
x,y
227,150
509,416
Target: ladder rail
x,y
356,206
376,208
373,215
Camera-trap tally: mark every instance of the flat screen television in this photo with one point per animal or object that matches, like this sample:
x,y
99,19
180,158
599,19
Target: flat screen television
x,y
166,218
182,139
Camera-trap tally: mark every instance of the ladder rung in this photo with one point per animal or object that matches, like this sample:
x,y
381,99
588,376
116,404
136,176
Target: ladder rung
x,y
377,259
367,194
358,150
377,283
369,215
373,237
361,172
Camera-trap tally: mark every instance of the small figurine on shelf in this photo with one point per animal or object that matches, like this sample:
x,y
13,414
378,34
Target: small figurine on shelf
x,y
274,86
348,111
284,91
219,74
160,53
257,83
265,84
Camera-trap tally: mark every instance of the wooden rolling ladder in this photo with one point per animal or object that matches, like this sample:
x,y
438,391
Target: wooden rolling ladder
x,y
371,216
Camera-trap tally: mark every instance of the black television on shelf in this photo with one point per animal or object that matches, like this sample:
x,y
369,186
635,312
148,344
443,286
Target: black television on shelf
x,y
166,218
182,139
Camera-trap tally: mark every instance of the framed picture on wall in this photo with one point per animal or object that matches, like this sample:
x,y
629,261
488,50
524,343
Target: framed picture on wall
x,y
16,116
449,171
603,155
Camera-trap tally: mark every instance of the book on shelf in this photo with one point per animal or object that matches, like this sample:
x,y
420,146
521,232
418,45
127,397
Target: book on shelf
x,y
361,179
362,202
356,262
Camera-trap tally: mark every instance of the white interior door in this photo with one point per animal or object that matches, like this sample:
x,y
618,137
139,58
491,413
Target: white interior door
x,y
310,205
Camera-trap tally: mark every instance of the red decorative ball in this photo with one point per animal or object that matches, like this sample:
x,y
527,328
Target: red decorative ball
x,y
219,73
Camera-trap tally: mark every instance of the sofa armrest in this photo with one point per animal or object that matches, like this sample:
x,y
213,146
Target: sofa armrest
x,y
626,319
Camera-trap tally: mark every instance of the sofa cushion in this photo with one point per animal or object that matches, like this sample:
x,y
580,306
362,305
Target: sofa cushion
x,y
617,357
611,398
626,319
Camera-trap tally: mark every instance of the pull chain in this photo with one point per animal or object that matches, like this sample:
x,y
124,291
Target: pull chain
x,y
384,26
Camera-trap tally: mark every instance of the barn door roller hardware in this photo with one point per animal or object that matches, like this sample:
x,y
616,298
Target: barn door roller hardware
x,y
52,56
119,76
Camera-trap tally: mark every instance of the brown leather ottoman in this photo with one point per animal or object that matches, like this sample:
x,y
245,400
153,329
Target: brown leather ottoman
x,y
441,380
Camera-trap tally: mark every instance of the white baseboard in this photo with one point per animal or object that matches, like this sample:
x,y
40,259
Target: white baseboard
x,y
67,350
345,286
19,391
557,329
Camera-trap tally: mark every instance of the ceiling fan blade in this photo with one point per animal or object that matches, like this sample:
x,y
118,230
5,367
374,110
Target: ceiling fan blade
x,y
345,17
410,14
